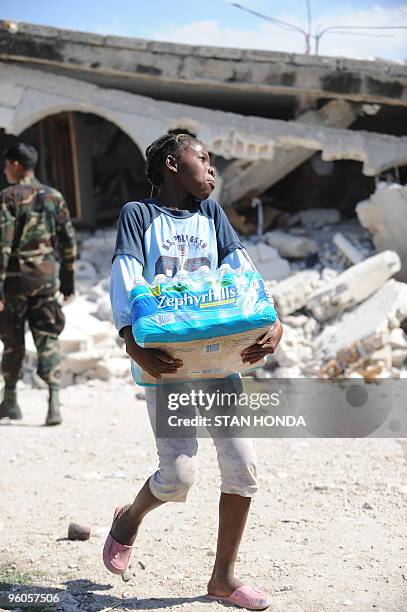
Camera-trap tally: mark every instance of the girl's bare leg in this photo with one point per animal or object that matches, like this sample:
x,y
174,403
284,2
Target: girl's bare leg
x,y
126,528
233,512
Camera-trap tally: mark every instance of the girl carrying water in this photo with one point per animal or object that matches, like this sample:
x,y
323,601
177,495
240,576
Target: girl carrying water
x,y
183,228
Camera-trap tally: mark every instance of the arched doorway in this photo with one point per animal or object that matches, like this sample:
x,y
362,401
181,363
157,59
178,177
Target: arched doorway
x,y
90,160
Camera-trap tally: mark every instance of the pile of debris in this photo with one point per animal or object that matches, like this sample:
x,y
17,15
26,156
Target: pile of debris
x,y
340,320
352,325
343,313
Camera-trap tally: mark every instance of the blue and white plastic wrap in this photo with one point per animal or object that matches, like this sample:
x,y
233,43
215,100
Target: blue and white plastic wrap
x,y
198,306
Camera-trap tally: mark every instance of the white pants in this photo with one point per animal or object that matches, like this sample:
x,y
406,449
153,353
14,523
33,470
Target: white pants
x,y
178,461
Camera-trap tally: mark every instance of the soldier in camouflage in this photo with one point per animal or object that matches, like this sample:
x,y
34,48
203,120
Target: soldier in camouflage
x,y
34,226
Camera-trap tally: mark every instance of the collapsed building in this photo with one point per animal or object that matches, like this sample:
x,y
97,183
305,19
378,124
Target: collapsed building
x,y
311,157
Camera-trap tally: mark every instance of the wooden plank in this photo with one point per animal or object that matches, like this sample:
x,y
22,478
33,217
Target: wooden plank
x,y
75,167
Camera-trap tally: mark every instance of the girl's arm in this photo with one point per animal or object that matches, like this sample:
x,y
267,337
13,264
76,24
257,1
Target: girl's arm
x,y
125,270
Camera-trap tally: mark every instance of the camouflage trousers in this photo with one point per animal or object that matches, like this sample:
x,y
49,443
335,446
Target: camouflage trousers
x,y
46,321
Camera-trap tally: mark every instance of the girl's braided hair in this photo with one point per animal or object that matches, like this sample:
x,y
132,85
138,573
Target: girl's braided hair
x,y
156,153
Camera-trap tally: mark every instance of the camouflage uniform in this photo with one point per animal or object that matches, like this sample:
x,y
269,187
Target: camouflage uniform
x,y
34,224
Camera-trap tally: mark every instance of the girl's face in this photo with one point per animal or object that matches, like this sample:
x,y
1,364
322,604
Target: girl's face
x,y
194,171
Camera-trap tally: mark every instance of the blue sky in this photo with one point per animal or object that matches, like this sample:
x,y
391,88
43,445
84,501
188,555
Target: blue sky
x,y
214,22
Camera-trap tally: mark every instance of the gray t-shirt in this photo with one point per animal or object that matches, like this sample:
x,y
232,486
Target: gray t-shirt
x,y
164,240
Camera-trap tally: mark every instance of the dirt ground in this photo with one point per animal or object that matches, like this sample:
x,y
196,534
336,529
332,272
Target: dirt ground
x,y
327,532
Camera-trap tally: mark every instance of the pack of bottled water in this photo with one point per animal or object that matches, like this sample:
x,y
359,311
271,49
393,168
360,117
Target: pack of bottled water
x,y
192,308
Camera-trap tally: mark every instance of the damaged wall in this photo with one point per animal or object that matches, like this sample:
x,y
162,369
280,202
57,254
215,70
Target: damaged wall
x,y
236,80
29,96
309,135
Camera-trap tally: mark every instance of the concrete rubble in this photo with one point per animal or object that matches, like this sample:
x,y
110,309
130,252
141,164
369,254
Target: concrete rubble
x,y
293,293
339,319
347,248
354,285
241,179
367,341
384,214
289,245
318,217
268,261
361,339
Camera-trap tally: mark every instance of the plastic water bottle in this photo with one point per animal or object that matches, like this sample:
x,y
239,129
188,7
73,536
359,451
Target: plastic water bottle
x,y
182,275
205,274
227,275
159,279
142,299
224,268
158,284
183,280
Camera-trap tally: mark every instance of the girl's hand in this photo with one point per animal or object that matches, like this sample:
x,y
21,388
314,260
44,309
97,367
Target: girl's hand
x,y
264,345
152,361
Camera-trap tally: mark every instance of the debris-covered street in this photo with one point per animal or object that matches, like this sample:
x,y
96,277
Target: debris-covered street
x,y
326,532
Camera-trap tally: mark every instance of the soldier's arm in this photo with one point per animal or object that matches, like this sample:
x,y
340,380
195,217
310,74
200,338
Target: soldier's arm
x,y
67,247
7,228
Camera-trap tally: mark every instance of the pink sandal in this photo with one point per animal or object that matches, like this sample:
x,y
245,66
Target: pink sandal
x,y
116,556
246,596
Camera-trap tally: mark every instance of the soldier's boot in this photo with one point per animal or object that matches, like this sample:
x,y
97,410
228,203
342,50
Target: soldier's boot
x,y
54,416
9,407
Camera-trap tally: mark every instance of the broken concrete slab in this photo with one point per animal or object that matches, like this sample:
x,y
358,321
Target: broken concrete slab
x,y
241,179
309,326
328,275
315,218
293,293
295,321
383,356
114,367
268,262
78,316
240,222
85,271
98,250
264,252
354,285
384,214
230,135
289,245
274,269
293,350
346,248
78,307
95,292
398,338
73,339
360,332
398,357
80,362
104,309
